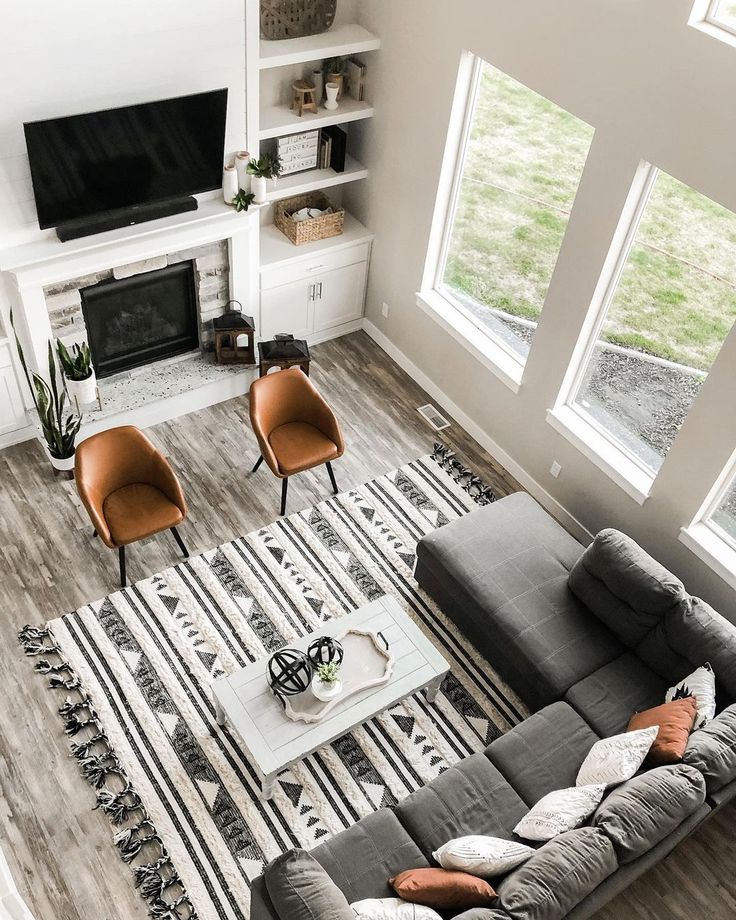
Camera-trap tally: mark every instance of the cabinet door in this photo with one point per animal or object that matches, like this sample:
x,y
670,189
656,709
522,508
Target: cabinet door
x,y
12,411
340,296
288,308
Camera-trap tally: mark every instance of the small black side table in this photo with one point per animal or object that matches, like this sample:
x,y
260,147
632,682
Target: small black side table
x,y
283,351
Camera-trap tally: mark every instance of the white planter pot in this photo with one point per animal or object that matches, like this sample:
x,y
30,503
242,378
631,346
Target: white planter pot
x,y
241,167
229,184
332,89
259,187
82,392
62,466
325,692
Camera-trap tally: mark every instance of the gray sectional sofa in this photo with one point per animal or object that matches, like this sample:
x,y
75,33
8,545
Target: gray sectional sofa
x,y
586,638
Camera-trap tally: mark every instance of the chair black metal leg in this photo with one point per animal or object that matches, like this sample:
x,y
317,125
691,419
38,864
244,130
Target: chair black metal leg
x,y
121,556
332,477
258,463
284,489
180,542
94,532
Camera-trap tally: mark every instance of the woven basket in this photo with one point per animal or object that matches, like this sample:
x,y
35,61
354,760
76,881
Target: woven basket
x,y
295,18
308,231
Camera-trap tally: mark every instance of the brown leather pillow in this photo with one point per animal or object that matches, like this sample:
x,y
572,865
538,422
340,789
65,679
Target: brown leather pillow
x,y
675,721
443,889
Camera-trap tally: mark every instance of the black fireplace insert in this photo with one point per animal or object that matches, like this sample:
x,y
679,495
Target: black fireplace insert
x,y
141,319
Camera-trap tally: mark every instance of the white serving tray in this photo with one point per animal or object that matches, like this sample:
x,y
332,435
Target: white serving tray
x,y
366,663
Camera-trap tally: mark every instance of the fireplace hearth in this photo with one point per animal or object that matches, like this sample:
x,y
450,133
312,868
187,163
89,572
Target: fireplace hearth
x,y
138,320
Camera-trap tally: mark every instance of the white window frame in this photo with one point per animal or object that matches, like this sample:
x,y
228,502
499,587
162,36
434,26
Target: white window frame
x,y
439,303
708,540
704,16
567,416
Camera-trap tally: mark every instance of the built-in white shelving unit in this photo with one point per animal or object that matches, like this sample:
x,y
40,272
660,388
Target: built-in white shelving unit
x,y
340,41
277,250
278,120
315,179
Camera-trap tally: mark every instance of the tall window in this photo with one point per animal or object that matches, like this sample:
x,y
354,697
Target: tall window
x,y
724,515
722,13
667,314
518,175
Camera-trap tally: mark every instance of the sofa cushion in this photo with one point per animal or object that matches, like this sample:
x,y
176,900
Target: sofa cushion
x,y
608,698
673,723
443,889
712,750
482,913
391,909
300,889
558,876
362,859
644,810
623,586
544,752
470,798
697,632
501,574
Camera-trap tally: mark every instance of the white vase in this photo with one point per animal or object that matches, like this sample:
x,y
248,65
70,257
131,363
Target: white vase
x,y
332,89
241,167
325,692
229,184
82,392
259,187
64,465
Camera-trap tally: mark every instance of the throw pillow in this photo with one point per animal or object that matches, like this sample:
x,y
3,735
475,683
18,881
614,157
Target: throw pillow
x,y
702,685
442,889
560,811
300,889
614,760
392,909
482,856
674,721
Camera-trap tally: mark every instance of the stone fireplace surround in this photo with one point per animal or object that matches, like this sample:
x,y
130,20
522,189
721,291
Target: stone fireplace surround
x,y
43,279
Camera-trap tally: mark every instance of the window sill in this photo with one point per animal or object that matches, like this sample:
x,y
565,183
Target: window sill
x,y
717,30
711,550
590,442
480,346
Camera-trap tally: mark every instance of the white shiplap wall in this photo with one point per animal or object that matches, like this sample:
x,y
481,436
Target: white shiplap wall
x,y
79,56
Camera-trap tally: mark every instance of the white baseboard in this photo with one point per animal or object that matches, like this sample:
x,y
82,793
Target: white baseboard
x,y
547,501
17,436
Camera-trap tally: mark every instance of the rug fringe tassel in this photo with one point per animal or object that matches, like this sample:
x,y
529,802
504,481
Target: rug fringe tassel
x,y
472,484
99,765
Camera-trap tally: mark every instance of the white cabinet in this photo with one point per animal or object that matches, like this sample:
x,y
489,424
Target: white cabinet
x,y
12,411
315,298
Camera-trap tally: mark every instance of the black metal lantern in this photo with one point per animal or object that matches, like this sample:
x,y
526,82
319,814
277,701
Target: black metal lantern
x,y
325,650
289,672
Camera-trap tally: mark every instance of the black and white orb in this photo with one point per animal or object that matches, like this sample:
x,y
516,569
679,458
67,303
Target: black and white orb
x,y
325,650
289,672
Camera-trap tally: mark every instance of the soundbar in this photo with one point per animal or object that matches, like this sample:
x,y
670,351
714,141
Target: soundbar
x,y
124,217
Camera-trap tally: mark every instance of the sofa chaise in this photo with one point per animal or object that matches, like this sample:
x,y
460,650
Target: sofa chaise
x,y
585,637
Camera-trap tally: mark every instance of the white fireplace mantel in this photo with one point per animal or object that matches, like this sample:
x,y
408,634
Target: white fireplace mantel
x,y
27,269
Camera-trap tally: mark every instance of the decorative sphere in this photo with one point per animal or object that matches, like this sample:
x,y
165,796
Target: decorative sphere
x,y
289,672
325,650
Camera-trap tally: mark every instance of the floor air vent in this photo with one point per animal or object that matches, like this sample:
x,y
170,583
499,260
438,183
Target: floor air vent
x,y
433,416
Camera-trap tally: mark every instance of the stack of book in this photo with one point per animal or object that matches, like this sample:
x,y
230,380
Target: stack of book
x,y
356,79
332,147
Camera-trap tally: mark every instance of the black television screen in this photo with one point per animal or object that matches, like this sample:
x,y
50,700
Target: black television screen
x,y
82,165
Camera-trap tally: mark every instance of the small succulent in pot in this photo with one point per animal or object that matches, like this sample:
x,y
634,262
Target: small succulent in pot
x,y
243,200
326,683
335,73
264,168
329,673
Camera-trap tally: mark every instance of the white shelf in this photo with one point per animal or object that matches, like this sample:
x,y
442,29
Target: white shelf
x,y
338,42
276,249
278,120
315,179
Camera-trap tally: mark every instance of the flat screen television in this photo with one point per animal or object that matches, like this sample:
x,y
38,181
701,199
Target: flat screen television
x,y
84,165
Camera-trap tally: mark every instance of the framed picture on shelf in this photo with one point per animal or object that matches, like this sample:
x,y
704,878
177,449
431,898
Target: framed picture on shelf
x,y
298,152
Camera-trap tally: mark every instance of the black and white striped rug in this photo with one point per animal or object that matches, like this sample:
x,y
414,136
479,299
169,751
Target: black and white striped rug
x,y
135,669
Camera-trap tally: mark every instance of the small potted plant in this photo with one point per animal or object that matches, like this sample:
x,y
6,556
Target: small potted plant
x,y
243,200
326,683
261,170
335,73
59,429
79,375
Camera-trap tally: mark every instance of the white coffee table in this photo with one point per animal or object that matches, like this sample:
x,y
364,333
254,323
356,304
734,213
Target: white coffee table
x,y
273,741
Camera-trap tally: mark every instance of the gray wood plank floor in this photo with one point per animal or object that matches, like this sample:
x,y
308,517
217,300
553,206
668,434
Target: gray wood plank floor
x,y
60,850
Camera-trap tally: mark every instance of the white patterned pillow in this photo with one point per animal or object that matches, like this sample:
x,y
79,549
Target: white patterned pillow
x,y
614,760
702,685
482,856
392,909
560,811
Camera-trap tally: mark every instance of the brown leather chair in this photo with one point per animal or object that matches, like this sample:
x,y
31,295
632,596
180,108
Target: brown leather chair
x,y
295,427
128,488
